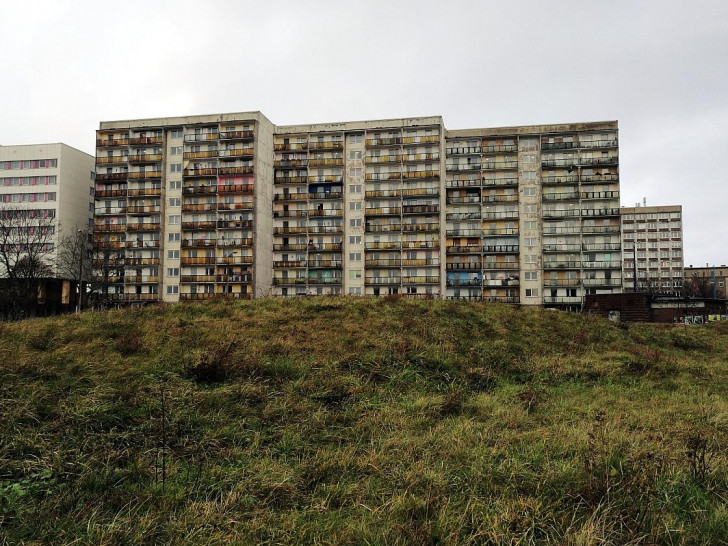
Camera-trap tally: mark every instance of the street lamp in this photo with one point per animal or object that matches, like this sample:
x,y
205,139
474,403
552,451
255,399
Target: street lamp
x,y
81,249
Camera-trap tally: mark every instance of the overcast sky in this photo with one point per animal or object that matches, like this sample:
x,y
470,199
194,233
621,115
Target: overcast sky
x,y
658,67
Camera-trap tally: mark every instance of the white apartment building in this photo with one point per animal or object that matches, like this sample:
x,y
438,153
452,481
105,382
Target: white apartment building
x,y
52,183
652,242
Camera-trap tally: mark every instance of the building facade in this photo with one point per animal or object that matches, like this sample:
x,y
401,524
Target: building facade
x,y
231,204
50,185
652,243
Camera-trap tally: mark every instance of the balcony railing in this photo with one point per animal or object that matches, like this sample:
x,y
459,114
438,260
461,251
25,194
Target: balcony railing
x,y
235,188
201,137
500,182
396,280
499,148
383,211
429,226
470,199
145,158
110,193
382,245
141,175
420,279
290,179
326,162
434,243
562,264
391,158
493,165
290,197
386,141
141,297
235,153
105,142
242,169
290,163
475,183
100,177
111,160
562,299
383,262
414,175
467,249
144,192
326,145
465,266
325,195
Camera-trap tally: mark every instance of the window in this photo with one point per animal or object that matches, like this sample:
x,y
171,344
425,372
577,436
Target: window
x,y
530,241
175,184
531,258
355,273
173,237
355,291
174,202
530,225
355,256
529,192
354,239
355,222
172,289
356,205
530,208
173,271
176,133
353,172
355,138
175,150
531,275
355,154
175,167
355,188
531,292
173,254
174,219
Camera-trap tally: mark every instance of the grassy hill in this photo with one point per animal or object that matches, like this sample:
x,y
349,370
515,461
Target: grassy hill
x,y
360,421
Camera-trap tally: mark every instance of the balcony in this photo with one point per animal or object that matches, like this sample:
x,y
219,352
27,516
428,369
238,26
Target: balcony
x,y
103,228
561,282
466,266
499,214
136,262
326,145
144,192
202,137
313,229
500,199
141,297
383,176
197,278
468,200
601,246
382,228
235,188
201,173
140,140
100,177
560,213
324,264
412,193
233,260
290,179
290,214
143,226
113,211
599,178
611,160
243,169
207,225
602,282
197,260
454,148
289,230
143,209
290,197
289,281
500,265
290,163
501,249
602,265
200,155
383,262
107,142
419,175
599,229
561,247
198,243
199,207
502,299
114,159
235,241
235,153
145,158
233,278
290,146
387,141
390,281
237,135
377,159
430,226
474,183
477,281
145,175
324,280
600,212
561,264
564,179
234,224
320,195
464,167
420,209
599,195
562,299
110,193
237,206
499,165
459,216
108,245
329,178
322,213
420,279
297,247
467,249
382,211
199,189
326,162
558,145
499,148
424,139
564,196
486,232
609,143
434,243
382,245
500,182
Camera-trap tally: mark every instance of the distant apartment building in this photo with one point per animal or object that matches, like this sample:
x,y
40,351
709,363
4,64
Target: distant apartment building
x,y
49,185
652,243
709,281
231,204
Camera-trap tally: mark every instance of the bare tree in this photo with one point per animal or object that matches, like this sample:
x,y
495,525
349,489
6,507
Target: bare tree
x,y
26,259
107,268
73,260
